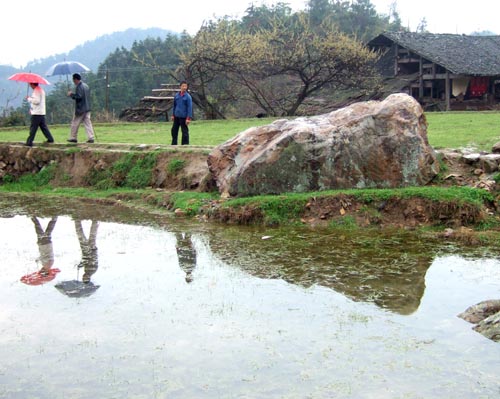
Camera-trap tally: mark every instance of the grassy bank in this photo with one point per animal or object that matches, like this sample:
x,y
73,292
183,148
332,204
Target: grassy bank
x,y
479,130
432,206
446,130
202,133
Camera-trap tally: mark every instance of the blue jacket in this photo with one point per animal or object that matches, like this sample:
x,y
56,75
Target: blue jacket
x,y
183,106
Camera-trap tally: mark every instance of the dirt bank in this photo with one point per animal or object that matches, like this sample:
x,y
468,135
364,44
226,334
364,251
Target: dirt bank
x,y
185,169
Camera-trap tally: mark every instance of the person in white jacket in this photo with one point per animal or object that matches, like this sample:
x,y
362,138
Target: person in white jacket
x,y
37,110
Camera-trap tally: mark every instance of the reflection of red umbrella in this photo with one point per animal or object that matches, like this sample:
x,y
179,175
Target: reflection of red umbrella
x,y
29,77
39,277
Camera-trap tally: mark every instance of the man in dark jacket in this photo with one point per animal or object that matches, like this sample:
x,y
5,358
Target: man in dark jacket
x,y
182,113
82,110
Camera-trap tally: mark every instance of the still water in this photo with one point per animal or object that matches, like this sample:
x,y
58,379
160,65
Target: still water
x,y
182,309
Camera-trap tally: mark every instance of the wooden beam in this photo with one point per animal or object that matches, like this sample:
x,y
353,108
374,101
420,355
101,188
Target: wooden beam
x,y
396,59
158,98
426,84
441,76
164,90
447,90
420,79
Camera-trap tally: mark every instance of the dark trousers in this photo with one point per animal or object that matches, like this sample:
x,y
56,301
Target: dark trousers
x,y
180,122
38,121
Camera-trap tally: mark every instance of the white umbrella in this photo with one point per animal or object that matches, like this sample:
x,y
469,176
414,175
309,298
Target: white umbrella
x,y
66,68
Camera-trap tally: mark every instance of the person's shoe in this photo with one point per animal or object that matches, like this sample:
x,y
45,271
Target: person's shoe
x,y
49,141
72,141
28,144
90,140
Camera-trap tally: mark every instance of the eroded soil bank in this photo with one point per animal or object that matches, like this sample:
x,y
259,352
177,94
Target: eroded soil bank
x,y
175,169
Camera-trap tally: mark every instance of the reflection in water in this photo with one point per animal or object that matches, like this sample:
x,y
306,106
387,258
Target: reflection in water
x,y
46,251
44,241
76,288
388,271
89,262
292,316
186,254
88,246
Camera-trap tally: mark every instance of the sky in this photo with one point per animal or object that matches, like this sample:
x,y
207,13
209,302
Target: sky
x,y
33,30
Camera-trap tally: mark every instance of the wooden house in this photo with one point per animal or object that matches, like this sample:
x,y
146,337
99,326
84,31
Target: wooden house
x,y
442,71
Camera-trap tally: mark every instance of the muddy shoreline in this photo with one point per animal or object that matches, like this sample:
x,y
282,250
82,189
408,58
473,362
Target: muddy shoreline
x,y
74,165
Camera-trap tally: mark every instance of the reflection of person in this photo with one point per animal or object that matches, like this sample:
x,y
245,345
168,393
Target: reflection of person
x,y
46,250
37,110
82,110
182,113
44,241
89,249
186,254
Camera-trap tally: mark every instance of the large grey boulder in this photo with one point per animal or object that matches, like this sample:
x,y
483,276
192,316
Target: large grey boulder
x,y
373,144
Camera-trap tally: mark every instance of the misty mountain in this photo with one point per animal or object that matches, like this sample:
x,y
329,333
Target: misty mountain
x,y
91,53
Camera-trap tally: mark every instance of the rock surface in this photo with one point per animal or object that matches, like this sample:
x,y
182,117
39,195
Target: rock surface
x,y
486,317
490,327
373,144
475,313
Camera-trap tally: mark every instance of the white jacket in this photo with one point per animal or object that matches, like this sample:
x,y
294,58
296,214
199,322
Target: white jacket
x,y
37,101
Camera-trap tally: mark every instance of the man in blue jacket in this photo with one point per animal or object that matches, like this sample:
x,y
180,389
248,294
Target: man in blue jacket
x,y
182,113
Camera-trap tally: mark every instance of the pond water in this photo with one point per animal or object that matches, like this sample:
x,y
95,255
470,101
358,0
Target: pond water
x,y
182,309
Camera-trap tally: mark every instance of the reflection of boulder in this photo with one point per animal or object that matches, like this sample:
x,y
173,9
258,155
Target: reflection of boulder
x,y
490,327
480,311
386,270
486,316
365,145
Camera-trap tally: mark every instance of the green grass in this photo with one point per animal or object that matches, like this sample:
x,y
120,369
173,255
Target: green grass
x,y
176,165
191,202
201,133
286,208
479,130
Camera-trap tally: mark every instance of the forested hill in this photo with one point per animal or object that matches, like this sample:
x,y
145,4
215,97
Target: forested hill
x,y
90,53
93,52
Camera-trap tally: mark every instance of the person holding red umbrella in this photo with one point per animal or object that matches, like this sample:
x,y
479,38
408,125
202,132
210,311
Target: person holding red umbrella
x,y
37,111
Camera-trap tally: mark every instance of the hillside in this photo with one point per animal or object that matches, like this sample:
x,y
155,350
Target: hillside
x,y
91,53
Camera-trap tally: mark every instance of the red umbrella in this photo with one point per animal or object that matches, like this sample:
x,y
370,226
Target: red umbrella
x,y
29,77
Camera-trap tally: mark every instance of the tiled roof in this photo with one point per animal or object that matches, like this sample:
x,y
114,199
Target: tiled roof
x,y
460,54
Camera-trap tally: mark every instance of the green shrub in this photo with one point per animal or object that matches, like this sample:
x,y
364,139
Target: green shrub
x,y
140,175
175,166
347,222
40,179
8,179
